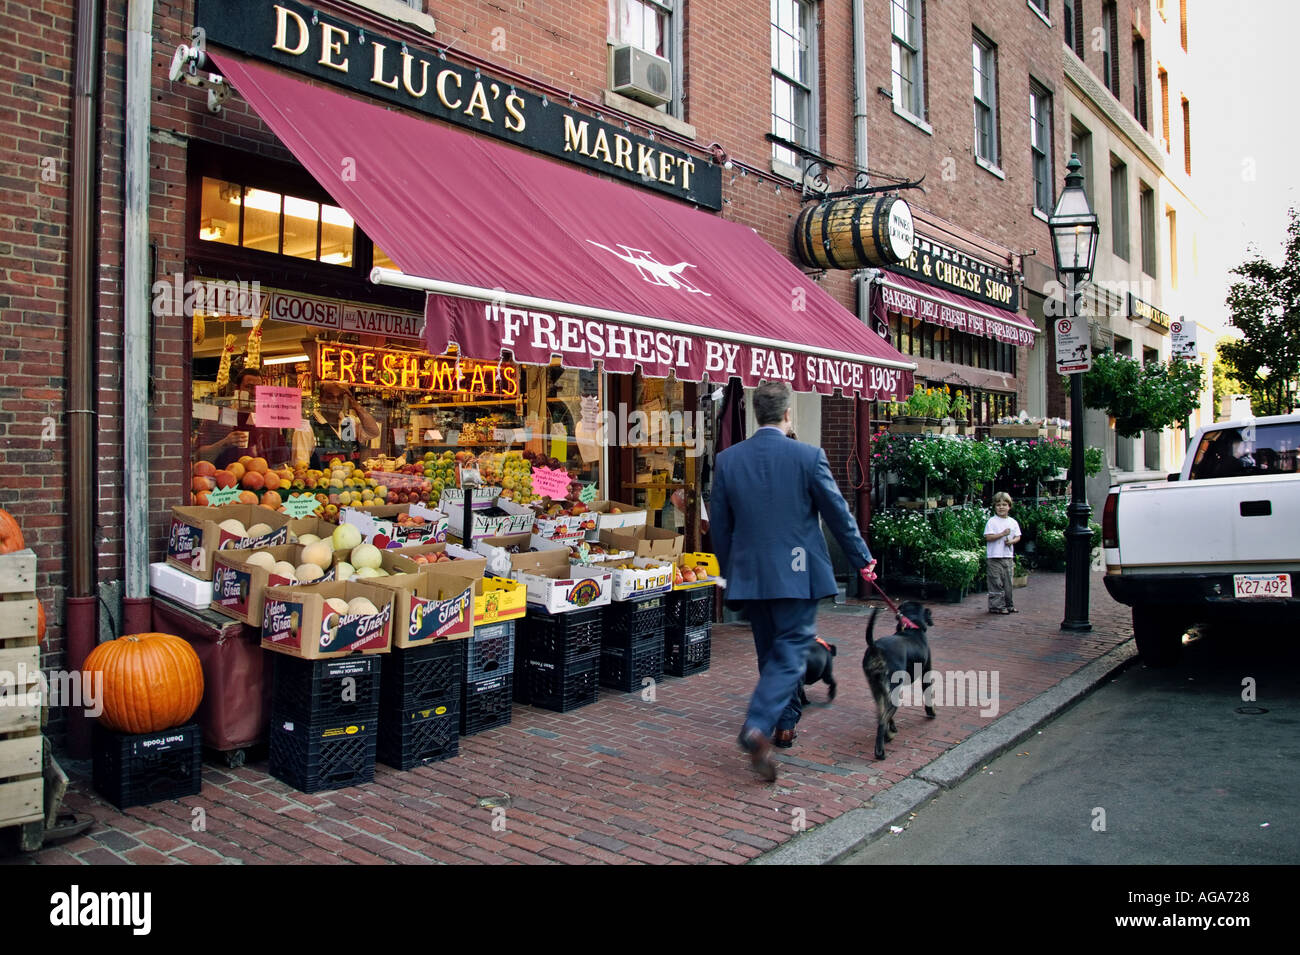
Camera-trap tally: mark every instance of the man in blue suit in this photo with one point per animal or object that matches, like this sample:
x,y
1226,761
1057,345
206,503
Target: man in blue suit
x,y
768,492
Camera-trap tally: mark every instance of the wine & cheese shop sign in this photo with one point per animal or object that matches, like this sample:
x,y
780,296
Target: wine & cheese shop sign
x,y
300,38
937,264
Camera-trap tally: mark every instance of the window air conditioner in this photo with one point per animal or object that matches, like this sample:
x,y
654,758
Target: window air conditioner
x,y
641,76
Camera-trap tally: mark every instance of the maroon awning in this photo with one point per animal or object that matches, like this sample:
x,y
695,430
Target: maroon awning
x,y
951,310
546,259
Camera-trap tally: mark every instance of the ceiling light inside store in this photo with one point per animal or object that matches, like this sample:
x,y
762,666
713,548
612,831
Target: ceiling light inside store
x,y
285,360
213,229
264,201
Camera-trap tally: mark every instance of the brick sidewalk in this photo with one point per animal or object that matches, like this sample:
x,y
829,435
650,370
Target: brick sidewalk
x,y
622,780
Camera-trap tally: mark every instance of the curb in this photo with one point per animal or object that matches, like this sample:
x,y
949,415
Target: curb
x,y
829,843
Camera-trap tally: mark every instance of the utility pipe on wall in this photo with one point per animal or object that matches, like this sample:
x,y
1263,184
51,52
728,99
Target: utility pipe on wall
x,y
136,612
863,284
80,619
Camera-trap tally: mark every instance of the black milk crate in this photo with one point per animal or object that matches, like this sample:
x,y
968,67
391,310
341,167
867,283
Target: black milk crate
x,y
485,704
545,636
315,756
625,669
337,690
629,621
136,769
490,651
688,652
409,738
559,685
688,609
419,677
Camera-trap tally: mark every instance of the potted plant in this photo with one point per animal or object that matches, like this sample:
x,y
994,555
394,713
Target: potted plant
x,y
1020,575
960,411
953,570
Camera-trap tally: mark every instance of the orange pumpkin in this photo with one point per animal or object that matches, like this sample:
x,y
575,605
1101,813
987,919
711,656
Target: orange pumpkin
x,y
40,622
11,535
151,681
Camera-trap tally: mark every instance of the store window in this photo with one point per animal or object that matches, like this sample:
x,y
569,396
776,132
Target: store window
x,y
267,221
653,26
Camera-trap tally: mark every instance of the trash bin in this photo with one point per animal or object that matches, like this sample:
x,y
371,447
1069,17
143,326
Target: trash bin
x,y
235,712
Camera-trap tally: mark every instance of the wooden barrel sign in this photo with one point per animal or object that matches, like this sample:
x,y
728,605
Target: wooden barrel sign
x,y
855,232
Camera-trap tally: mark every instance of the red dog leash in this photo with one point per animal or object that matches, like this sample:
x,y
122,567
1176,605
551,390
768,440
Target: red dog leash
x,y
893,606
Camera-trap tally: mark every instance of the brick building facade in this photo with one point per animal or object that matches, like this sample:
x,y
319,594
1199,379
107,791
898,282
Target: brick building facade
x,y
722,112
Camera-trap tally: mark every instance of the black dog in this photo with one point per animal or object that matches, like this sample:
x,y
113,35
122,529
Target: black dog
x,y
899,652
818,668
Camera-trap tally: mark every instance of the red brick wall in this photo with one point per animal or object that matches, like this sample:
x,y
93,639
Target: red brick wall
x,y
35,139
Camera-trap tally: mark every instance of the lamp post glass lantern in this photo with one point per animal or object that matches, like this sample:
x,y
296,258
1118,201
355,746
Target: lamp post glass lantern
x,y
1074,247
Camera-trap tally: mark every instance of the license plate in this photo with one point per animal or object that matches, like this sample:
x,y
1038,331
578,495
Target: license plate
x,y
1261,585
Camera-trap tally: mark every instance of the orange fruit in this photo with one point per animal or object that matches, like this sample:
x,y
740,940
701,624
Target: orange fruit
x,y
236,469
271,480
247,497
252,480
271,499
224,479
258,464
204,469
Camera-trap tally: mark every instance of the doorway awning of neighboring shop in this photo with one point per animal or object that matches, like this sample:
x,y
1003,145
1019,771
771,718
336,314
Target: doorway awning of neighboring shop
x,y
952,310
528,256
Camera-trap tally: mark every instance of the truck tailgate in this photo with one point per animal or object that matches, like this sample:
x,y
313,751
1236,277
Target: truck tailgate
x,y
1231,523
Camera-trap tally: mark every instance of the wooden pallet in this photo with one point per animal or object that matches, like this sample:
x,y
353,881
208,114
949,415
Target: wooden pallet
x,y
22,700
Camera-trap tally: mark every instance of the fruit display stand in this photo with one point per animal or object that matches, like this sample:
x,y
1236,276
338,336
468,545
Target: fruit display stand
x,y
22,785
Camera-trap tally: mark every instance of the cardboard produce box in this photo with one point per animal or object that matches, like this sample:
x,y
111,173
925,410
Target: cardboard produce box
x,y
514,519
296,621
563,527
645,541
401,560
310,525
636,577
496,599
238,586
482,497
694,559
196,535
430,606
627,516
381,522
557,585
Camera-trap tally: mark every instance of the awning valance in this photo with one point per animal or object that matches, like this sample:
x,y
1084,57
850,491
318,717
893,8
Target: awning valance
x,y
941,307
528,256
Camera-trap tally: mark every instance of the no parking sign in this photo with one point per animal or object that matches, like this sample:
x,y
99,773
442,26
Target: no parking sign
x,y
1073,346
1183,339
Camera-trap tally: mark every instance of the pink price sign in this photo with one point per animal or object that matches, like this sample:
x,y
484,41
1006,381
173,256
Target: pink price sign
x,y
278,407
551,482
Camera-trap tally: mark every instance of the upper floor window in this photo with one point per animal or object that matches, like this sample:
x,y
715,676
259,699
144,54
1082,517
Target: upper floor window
x,y
1119,208
1182,23
908,56
1081,146
1110,49
1164,107
1187,136
792,78
1140,82
1072,17
1040,146
652,26
1040,6
984,63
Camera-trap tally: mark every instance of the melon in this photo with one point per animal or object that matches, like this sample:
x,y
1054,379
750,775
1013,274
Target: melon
x,y
318,553
258,530
285,569
361,605
308,539
263,558
366,555
308,572
232,526
343,570
365,573
337,604
345,537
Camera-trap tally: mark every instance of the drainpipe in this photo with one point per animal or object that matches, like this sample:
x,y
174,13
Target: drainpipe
x,y
862,283
80,616
136,605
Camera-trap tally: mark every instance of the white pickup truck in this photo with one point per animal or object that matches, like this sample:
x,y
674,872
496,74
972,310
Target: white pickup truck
x,y
1218,541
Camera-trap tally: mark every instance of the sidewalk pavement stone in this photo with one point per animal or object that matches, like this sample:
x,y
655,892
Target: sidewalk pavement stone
x,y
657,780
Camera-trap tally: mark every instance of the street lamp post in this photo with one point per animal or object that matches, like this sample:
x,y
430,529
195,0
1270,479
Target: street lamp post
x,y
1074,247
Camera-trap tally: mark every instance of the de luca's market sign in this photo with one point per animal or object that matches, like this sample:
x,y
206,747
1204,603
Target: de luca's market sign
x,y
414,371
308,41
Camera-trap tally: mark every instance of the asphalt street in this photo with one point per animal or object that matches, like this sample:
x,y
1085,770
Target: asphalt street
x,y
1191,765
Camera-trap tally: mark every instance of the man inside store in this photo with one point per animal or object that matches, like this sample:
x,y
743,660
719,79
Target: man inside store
x,y
341,427
768,495
243,438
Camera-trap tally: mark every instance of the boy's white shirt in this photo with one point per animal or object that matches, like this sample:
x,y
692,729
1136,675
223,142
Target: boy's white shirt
x,y
1001,547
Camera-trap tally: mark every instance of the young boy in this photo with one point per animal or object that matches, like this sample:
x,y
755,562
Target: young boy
x,y
999,534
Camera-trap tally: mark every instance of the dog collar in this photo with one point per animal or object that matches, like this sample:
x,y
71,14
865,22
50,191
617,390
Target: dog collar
x,y
906,622
822,642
